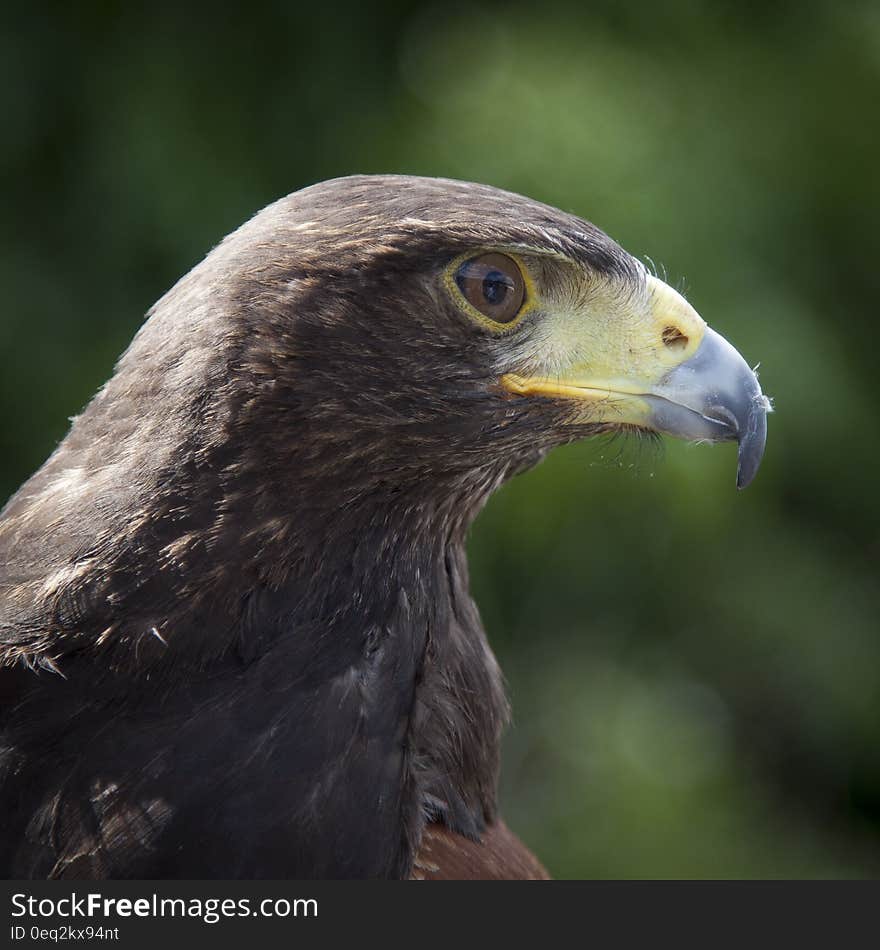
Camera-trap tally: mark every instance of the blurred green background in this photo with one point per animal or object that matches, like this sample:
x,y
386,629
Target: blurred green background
x,y
695,672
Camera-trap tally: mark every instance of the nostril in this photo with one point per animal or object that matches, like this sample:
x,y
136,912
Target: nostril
x,y
674,338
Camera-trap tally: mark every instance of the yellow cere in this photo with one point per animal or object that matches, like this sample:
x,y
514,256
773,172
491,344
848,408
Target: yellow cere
x,y
599,341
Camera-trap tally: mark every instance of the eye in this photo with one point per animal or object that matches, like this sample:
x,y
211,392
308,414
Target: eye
x,y
492,284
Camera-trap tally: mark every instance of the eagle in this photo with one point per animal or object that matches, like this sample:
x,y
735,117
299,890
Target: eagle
x,y
236,634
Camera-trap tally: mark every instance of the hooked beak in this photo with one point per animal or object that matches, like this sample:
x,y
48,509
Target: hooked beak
x,y
693,385
714,395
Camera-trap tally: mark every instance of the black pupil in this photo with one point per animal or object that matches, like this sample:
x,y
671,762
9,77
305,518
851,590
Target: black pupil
x,y
495,287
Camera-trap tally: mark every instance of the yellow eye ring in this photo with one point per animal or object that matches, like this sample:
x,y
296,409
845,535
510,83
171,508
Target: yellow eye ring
x,y
493,287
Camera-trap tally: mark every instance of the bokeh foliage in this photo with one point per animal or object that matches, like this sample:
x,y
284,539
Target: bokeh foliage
x,y
695,672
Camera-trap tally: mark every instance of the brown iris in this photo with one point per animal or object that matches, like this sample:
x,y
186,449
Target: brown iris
x,y
493,284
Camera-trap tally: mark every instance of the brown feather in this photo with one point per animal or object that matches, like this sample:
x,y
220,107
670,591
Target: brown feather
x,y
497,856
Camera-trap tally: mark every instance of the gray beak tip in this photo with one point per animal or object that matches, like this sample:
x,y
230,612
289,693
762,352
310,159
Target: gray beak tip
x,y
752,442
715,395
